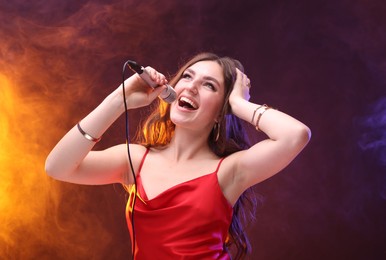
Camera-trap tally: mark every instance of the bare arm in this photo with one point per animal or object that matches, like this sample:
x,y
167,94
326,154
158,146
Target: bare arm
x,y
286,138
73,160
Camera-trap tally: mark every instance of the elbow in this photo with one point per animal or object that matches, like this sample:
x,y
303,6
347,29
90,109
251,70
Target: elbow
x,y
52,170
301,135
297,137
57,170
49,169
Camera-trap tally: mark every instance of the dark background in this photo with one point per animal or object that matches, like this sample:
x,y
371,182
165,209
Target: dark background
x,y
321,61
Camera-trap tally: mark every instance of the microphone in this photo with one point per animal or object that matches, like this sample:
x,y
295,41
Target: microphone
x,y
168,95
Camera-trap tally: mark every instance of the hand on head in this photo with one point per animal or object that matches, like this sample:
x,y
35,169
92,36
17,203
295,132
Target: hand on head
x,y
241,88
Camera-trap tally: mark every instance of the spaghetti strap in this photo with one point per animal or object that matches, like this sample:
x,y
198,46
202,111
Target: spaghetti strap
x,y
142,161
219,163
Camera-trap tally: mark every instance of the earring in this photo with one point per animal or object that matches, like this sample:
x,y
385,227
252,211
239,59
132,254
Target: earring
x,y
216,131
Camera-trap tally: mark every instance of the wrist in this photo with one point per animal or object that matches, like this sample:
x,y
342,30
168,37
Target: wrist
x,y
258,113
114,101
236,104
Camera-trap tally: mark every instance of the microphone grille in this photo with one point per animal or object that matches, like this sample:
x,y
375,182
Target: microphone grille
x,y
169,94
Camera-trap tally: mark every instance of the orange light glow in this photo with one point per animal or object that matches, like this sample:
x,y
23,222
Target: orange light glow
x,y
23,185
41,218
56,65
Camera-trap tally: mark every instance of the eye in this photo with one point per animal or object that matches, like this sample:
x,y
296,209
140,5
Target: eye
x,y
186,75
210,86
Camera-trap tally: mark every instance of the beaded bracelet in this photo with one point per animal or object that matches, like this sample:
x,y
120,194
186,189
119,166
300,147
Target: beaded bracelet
x,y
86,135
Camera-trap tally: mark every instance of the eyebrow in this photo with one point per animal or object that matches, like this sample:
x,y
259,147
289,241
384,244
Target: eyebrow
x,y
205,77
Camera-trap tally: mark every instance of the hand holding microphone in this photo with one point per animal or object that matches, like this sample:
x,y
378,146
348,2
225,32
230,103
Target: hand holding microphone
x,y
168,95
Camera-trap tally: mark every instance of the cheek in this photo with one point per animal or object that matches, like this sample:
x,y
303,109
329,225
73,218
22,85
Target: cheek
x,y
174,115
213,107
178,87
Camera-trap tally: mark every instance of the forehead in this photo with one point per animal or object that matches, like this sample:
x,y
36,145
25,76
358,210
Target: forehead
x,y
209,69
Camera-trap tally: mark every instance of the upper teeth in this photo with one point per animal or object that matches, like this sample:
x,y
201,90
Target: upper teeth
x,y
187,100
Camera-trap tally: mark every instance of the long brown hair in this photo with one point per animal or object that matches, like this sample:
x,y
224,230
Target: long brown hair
x,y
228,137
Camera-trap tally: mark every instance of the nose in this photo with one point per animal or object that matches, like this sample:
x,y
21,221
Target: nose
x,y
192,87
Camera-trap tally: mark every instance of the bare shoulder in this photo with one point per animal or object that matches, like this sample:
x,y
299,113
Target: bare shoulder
x,y
228,177
136,155
137,150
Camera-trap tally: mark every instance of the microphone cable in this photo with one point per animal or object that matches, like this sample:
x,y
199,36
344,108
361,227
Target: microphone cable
x,y
127,136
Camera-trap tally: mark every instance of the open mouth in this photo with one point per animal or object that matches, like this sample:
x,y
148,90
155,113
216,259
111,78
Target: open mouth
x,y
187,103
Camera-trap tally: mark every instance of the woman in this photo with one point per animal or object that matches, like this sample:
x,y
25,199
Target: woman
x,y
191,166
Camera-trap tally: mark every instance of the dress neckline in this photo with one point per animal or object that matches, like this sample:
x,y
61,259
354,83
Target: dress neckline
x,y
170,189
143,192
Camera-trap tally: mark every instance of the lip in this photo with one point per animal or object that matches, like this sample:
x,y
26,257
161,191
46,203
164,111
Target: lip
x,y
182,109
188,99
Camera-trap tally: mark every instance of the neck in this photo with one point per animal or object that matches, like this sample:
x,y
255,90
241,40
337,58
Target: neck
x,y
186,145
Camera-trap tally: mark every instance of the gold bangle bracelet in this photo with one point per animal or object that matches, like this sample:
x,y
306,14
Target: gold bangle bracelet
x,y
254,113
264,108
87,136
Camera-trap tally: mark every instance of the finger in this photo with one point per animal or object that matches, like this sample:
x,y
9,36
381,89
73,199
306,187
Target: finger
x,y
152,73
239,74
248,84
156,76
156,92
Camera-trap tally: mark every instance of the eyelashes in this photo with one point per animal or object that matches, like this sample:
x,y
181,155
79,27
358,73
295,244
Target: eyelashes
x,y
206,83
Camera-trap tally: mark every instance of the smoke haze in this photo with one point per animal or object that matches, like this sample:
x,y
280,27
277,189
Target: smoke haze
x,y
321,61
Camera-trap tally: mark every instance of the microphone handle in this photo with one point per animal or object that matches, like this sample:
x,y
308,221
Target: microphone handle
x,y
146,77
168,95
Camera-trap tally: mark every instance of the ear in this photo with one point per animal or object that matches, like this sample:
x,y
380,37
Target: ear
x,y
218,119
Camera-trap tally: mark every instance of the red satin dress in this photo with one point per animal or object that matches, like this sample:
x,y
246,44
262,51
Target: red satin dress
x,y
187,221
